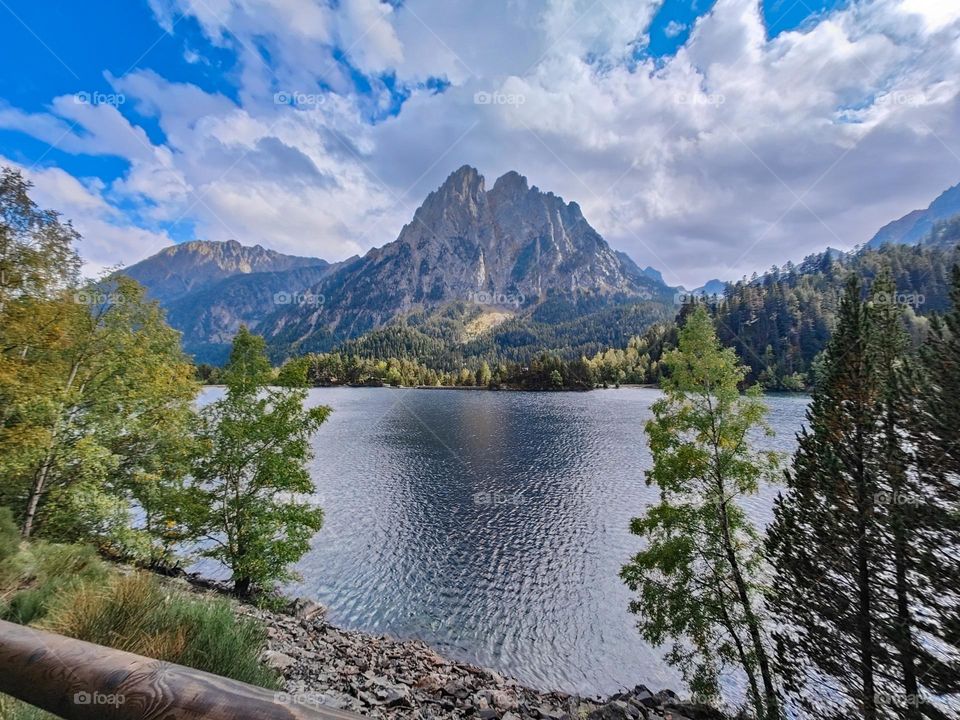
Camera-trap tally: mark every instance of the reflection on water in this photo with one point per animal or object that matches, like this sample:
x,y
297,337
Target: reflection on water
x,y
493,525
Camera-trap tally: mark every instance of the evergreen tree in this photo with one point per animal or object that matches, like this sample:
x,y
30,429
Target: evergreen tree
x,y
931,503
865,541
697,576
894,504
825,541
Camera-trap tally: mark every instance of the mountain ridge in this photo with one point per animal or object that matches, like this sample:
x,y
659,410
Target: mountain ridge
x,y
916,225
180,269
510,246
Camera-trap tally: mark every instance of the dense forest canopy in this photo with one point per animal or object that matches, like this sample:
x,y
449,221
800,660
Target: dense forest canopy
x,y
778,323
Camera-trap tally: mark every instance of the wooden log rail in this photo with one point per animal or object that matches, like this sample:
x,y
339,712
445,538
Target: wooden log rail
x,y
81,681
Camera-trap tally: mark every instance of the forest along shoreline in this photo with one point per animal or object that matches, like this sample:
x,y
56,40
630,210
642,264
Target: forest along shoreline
x,y
382,677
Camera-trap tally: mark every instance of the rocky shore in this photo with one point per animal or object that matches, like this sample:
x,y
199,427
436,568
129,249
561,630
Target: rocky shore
x,y
381,677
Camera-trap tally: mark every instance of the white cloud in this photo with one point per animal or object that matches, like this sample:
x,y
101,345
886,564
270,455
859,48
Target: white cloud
x,y
674,28
108,238
738,152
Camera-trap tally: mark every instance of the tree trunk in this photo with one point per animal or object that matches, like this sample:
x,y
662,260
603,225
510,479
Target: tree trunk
x,y
241,587
904,621
904,618
772,702
865,610
742,653
35,492
40,481
866,635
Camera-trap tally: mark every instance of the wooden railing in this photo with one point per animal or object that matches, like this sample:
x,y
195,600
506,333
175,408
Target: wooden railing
x,y
81,681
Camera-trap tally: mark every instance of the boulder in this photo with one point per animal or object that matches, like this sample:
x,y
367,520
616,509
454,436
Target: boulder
x,y
305,609
615,710
277,660
503,700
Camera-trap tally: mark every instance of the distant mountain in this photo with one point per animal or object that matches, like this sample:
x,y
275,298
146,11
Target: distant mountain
x,y
211,316
511,248
711,287
511,270
636,270
181,269
916,225
209,289
654,274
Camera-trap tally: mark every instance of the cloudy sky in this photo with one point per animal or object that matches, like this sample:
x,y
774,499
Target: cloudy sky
x,y
705,138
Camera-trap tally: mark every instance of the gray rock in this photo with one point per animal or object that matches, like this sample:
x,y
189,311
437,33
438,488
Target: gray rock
x,y
616,710
549,713
694,711
503,700
396,696
645,697
277,660
305,609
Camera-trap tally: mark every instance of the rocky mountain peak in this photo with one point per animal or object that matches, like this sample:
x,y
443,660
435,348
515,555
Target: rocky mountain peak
x,y
467,182
187,267
511,184
916,225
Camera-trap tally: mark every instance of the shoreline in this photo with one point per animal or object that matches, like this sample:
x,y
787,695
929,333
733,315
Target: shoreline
x,y
623,386
379,676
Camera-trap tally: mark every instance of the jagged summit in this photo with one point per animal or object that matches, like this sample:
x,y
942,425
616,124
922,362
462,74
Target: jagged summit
x,y
512,243
507,245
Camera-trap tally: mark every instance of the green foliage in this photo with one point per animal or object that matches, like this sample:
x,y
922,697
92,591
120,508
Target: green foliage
x,y
294,372
137,614
9,534
248,367
31,579
95,392
36,249
696,578
249,494
484,375
778,323
207,374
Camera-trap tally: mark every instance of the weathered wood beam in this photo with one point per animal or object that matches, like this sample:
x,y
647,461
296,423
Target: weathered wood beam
x,y
81,681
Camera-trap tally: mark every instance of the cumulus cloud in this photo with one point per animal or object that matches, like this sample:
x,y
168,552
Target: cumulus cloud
x,y
673,29
738,152
109,238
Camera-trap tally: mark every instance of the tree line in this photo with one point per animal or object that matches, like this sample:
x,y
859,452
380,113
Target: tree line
x,y
780,323
636,364
849,603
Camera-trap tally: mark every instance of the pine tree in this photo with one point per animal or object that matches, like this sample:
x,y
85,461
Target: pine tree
x,y
893,504
932,505
824,540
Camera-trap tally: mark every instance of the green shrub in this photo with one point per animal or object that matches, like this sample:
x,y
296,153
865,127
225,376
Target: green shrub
x,y
33,577
137,614
9,534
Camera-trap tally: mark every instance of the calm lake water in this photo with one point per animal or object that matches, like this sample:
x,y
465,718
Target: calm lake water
x,y
493,525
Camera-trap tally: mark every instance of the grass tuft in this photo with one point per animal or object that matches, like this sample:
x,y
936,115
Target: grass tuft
x,y
67,589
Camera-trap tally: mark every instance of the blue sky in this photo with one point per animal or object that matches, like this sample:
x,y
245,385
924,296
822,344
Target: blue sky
x,y
696,135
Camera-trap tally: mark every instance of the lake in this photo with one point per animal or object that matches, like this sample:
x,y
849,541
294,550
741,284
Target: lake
x,y
493,525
